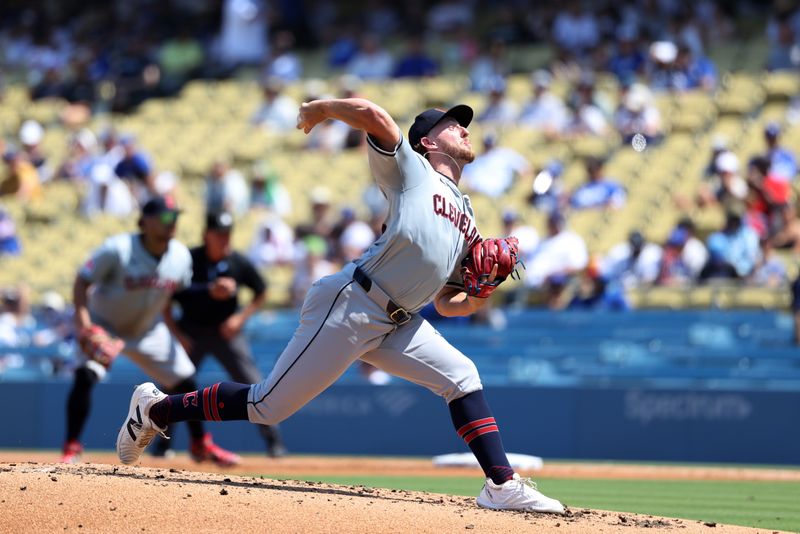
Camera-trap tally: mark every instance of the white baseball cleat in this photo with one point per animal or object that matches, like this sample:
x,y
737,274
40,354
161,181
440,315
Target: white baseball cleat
x,y
138,430
517,494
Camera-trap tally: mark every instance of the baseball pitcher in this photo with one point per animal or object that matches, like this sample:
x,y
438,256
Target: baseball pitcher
x,y
431,251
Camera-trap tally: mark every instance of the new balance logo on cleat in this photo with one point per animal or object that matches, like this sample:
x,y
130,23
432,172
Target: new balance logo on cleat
x,y
138,430
137,423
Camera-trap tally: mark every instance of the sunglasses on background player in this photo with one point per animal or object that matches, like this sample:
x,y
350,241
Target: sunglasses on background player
x,y
168,218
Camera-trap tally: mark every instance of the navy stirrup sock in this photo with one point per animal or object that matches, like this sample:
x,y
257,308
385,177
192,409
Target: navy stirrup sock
x,y
224,401
476,426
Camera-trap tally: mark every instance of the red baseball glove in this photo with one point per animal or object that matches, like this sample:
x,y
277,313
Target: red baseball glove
x,y
476,269
99,345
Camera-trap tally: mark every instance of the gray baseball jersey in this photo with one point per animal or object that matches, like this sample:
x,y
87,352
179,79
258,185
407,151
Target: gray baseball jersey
x,y
130,289
429,230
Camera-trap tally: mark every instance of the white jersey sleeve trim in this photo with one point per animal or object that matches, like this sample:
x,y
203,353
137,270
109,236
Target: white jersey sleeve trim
x,y
382,151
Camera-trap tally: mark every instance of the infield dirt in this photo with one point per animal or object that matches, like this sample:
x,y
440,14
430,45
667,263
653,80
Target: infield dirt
x,y
103,497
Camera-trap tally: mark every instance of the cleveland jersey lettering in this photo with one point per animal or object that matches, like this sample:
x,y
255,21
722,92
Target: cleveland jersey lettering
x,y
417,238
130,286
460,220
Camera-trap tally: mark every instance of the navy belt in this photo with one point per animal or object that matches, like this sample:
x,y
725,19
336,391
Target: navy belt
x,y
397,314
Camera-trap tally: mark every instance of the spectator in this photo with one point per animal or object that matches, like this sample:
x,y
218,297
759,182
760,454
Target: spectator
x,y
329,137
351,236
267,191
54,323
719,144
457,49
179,58
415,62
343,44
783,47
694,254
548,190
545,112
500,110
16,306
587,113
80,91
107,193
80,158
226,190
693,71
770,270
284,63
31,134
321,223
717,266
371,62
637,114
736,244
628,61
310,266
559,255
783,163
575,28
279,111
730,189
684,28
490,65
22,179
673,270
135,168
110,149
9,241
449,15
594,292
382,17
661,69
137,77
244,32
495,170
598,191
527,236
273,243
633,263
787,234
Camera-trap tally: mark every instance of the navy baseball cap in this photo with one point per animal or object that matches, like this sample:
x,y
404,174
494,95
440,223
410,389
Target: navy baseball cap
x,y
159,205
425,121
221,221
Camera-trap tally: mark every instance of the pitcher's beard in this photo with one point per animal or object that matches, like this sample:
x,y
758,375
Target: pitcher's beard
x,y
461,154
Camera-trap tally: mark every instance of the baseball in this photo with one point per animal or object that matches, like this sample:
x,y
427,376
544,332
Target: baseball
x,y
639,142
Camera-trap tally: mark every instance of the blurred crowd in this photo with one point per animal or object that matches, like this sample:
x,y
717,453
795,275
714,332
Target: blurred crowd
x,y
111,56
760,218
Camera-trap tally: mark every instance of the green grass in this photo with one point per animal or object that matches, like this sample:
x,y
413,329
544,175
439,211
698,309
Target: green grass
x,y
769,505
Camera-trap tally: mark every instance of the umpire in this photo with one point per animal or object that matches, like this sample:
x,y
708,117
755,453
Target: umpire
x,y
212,320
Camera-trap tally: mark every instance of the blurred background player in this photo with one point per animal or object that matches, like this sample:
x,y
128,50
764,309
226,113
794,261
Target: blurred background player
x,y
212,320
125,289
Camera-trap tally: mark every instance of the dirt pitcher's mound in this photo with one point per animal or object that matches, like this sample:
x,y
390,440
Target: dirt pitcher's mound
x,y
86,498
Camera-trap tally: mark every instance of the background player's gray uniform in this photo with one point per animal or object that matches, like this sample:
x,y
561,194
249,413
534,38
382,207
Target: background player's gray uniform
x,y
430,227
130,289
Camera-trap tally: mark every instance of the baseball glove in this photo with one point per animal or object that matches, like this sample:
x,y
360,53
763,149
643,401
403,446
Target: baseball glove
x,y
476,269
99,345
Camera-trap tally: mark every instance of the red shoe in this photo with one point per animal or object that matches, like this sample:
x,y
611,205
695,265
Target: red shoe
x,y
71,453
205,449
